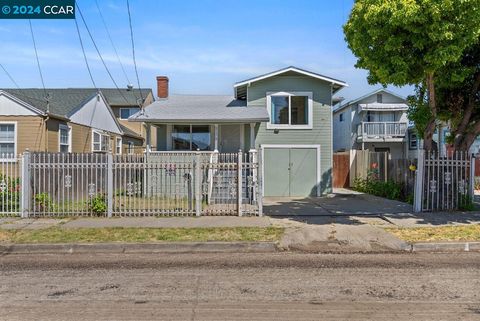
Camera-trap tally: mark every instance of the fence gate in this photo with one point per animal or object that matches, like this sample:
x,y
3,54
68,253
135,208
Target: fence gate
x,y
341,169
444,182
10,185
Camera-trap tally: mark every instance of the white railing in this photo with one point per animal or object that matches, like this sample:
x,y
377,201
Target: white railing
x,y
382,129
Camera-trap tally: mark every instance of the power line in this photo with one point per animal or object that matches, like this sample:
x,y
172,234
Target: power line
x,y
10,76
38,62
84,54
111,41
99,54
133,50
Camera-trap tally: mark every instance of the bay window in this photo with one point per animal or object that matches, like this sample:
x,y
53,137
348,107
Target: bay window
x,y
290,110
191,137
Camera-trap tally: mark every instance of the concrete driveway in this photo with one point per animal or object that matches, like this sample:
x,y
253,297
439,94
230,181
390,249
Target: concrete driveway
x,y
341,202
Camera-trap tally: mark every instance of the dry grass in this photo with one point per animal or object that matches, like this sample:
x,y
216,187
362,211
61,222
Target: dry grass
x,y
140,235
438,234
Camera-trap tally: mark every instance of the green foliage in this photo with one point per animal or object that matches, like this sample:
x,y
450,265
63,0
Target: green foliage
x,y
466,203
371,185
9,193
418,110
44,202
399,42
97,204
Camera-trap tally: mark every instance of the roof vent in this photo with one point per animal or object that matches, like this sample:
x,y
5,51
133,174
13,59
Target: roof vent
x,y
129,87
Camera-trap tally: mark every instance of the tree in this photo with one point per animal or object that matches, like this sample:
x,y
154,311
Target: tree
x,y
407,42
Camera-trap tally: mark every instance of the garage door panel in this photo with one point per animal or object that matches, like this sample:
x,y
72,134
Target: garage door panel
x,y
276,174
303,171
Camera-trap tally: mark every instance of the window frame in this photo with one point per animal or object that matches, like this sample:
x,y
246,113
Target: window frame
x,y
341,117
101,134
307,94
69,130
129,108
15,127
410,140
117,150
172,143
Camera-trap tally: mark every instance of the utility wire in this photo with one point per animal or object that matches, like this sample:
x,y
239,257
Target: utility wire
x,y
38,64
111,41
99,54
10,76
133,51
84,54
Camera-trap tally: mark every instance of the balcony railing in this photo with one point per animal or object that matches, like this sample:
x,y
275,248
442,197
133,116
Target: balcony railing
x,y
382,130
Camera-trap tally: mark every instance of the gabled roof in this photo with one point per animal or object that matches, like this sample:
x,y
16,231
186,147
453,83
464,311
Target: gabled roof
x,y
338,84
200,109
354,101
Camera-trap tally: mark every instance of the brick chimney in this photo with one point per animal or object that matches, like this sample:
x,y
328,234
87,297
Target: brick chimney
x,y
162,87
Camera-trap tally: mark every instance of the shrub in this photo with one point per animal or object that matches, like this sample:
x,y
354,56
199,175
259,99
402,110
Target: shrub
x,y
98,204
44,202
371,185
9,193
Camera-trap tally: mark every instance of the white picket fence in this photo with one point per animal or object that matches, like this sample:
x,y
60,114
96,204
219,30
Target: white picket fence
x,y
444,183
158,183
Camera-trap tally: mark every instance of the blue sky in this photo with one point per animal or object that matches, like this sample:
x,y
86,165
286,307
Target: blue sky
x,y
202,46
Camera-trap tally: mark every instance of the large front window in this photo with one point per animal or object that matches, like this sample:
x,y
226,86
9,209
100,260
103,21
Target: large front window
x,y
7,140
290,110
191,137
100,141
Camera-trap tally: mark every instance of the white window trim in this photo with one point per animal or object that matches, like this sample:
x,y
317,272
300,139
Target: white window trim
x,y
69,128
120,114
101,133
14,123
309,94
118,139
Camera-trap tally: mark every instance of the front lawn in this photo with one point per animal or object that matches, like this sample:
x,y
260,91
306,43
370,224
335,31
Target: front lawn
x,y
458,233
140,235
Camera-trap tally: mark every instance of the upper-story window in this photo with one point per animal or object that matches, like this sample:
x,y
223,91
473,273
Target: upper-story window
x,y
64,139
100,141
341,117
290,110
379,98
125,113
413,142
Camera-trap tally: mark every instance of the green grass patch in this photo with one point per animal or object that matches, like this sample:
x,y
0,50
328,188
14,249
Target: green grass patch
x,y
141,235
438,234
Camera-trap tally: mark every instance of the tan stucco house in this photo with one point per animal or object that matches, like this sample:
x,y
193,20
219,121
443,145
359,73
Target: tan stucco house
x,y
70,120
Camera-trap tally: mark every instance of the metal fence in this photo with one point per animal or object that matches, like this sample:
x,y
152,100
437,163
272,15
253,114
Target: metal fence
x,y
157,183
444,182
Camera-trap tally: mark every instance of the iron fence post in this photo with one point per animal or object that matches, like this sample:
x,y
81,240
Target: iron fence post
x,y
109,184
259,184
471,187
239,183
25,181
419,176
198,184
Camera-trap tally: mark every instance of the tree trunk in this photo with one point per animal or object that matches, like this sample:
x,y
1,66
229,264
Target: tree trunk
x,y
430,128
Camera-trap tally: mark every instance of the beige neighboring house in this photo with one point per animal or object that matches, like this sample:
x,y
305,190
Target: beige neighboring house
x,y
75,120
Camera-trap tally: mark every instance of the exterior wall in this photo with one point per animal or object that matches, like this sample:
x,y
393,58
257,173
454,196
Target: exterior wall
x,y
138,128
397,150
343,131
138,145
30,132
81,138
322,119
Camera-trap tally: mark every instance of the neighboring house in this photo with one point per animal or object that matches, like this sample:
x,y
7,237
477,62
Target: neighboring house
x,y
74,120
377,122
285,114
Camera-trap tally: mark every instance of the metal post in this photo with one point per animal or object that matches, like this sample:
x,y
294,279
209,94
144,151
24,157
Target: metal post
x,y
109,184
471,185
259,184
198,184
385,169
25,181
239,183
419,175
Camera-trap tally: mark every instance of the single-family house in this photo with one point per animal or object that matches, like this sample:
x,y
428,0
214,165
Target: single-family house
x,y
376,121
285,115
69,120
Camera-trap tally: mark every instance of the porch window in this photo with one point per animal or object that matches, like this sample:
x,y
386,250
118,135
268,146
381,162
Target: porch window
x,y
7,140
100,141
290,110
125,113
65,139
191,137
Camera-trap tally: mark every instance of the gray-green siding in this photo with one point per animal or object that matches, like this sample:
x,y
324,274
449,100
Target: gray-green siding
x,y
321,134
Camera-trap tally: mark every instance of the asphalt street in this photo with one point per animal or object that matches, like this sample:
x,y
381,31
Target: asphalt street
x,y
277,286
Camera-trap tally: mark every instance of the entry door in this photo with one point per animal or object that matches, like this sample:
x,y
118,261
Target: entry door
x,y
290,171
230,138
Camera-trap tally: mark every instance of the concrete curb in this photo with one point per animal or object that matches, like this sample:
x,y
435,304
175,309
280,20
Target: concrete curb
x,y
445,247
117,248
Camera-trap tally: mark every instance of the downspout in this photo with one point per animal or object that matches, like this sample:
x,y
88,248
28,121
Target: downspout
x,y
46,131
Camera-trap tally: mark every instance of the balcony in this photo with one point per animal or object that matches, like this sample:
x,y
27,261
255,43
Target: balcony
x,y
381,131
